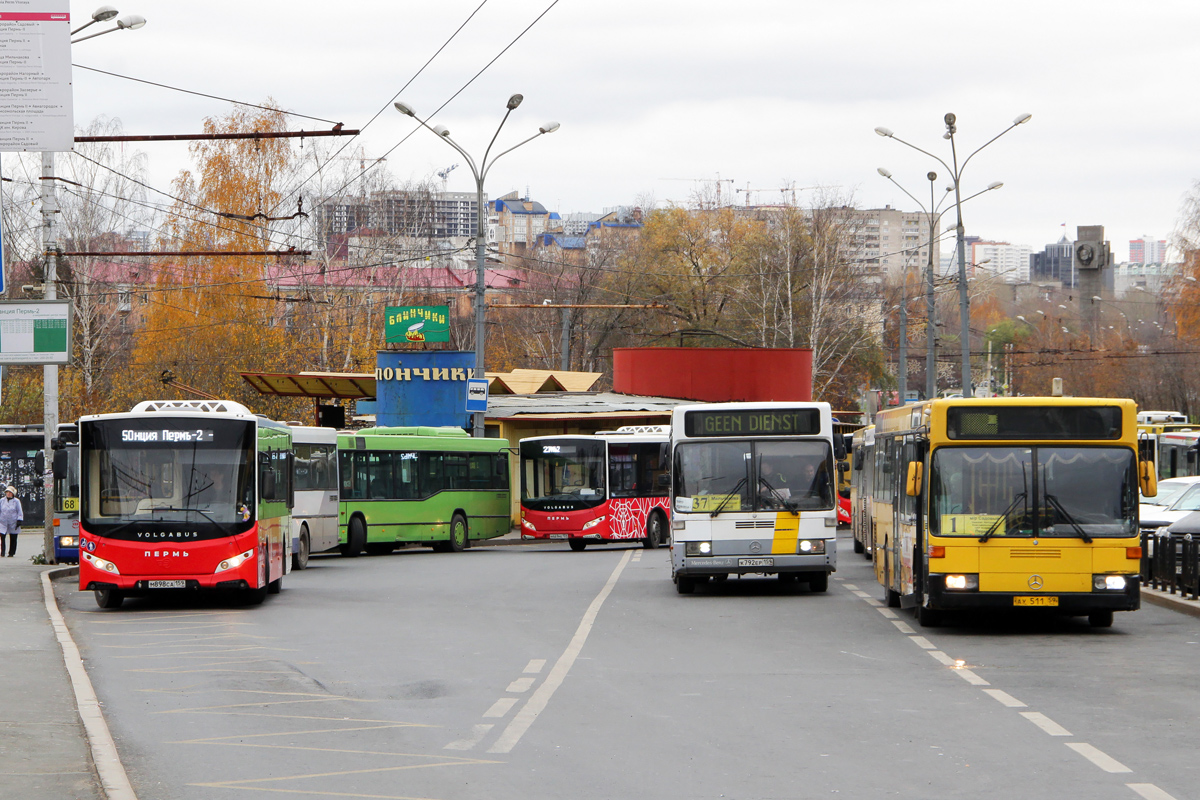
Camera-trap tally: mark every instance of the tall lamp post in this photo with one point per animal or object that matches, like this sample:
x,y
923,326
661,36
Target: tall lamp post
x,y
934,216
479,171
50,250
956,172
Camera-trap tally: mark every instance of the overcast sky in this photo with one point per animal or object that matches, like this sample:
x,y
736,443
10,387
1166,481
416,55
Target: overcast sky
x,y
657,97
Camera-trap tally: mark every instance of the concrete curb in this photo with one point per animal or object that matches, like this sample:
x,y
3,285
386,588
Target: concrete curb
x,y
114,782
1172,601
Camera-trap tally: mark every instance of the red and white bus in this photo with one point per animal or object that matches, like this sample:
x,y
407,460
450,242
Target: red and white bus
x,y
183,494
612,486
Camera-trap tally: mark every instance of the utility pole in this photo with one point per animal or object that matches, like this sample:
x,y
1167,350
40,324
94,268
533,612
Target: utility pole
x,y
49,371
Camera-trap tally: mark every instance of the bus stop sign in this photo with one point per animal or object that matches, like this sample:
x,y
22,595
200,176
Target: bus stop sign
x,y
477,394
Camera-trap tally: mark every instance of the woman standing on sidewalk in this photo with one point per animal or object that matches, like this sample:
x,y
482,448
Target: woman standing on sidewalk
x,y
11,517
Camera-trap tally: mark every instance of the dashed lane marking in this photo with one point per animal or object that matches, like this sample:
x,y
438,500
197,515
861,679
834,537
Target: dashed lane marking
x,y
970,677
500,707
887,612
477,734
558,673
941,657
1098,757
922,642
849,586
520,685
535,666
903,626
1005,698
1046,724
1149,791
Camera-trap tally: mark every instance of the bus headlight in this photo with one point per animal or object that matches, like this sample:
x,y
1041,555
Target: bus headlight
x,y
807,546
101,564
1112,583
68,541
962,583
593,522
528,524
236,561
697,548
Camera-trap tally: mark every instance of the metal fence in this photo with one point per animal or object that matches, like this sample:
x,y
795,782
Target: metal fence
x,y
1171,563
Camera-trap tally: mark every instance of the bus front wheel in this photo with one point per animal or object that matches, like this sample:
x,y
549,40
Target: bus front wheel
x,y
1101,619
928,617
577,544
458,534
109,598
818,582
300,557
684,585
356,538
654,532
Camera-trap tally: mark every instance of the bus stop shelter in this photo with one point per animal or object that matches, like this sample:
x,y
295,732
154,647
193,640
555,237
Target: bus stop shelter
x,y
320,386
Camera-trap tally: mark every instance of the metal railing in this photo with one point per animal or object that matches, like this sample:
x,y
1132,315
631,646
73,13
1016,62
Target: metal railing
x,y
1171,563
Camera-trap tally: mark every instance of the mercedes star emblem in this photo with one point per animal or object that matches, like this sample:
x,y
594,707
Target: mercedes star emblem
x,y
1035,581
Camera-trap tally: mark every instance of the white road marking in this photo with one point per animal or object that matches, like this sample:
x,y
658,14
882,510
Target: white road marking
x,y
541,697
887,612
903,627
535,666
922,642
970,677
500,707
938,655
861,593
1149,791
849,586
1098,757
477,734
1051,727
871,601
1005,698
520,685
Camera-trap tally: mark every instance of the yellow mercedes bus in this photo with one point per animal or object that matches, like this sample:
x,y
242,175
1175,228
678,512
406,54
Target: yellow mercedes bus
x,y
1013,502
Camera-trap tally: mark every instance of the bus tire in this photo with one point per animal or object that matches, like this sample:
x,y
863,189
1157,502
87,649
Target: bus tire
x,y
458,534
577,544
1101,619
109,598
858,545
300,557
275,586
654,531
928,617
892,598
818,582
684,585
356,538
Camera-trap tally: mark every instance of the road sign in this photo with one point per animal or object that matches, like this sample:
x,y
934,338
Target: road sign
x,y
477,394
35,332
36,112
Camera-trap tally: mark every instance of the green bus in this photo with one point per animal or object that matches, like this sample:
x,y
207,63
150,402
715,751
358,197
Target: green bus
x,y
432,486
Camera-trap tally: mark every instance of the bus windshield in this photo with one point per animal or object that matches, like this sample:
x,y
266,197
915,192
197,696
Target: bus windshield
x,y
724,475
563,473
1033,491
169,470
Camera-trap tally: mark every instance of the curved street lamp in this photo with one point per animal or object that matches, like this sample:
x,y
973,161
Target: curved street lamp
x,y
104,13
479,171
934,216
956,171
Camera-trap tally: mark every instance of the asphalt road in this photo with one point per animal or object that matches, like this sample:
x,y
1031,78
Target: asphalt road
x,y
534,672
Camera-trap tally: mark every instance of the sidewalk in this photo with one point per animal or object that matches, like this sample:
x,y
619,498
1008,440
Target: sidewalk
x,y
44,754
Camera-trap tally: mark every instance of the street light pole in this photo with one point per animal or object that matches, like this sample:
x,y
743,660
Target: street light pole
x,y
960,237
479,172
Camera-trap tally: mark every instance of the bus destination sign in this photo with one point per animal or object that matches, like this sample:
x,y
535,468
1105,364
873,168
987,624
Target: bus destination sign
x,y
165,436
753,422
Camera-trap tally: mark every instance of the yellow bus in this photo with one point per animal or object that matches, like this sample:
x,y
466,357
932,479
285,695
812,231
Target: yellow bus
x,y
862,449
1014,502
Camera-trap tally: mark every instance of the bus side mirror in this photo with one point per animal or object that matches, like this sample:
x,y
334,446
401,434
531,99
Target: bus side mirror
x,y
843,468
1149,479
839,446
913,485
60,465
663,481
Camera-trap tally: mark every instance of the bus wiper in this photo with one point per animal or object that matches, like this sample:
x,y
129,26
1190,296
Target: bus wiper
x,y
205,514
1002,518
783,501
734,493
1052,500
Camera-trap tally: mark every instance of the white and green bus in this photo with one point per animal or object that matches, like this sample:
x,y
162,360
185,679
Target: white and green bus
x,y
432,486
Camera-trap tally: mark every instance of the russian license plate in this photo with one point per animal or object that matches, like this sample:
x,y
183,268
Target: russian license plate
x,y
166,584
1036,600
559,536
756,562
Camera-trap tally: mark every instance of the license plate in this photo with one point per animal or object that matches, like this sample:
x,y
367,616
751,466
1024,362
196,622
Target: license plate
x,y
166,584
1035,601
559,536
756,562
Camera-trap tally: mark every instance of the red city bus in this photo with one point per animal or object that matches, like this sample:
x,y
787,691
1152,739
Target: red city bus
x,y
183,494
609,487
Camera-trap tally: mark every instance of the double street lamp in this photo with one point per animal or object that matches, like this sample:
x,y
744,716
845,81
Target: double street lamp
x,y
934,217
956,171
479,171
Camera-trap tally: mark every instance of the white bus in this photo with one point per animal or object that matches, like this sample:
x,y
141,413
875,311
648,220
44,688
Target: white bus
x,y
315,478
753,492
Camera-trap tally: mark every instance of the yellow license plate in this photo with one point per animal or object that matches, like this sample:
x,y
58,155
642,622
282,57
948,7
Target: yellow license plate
x,y
1035,601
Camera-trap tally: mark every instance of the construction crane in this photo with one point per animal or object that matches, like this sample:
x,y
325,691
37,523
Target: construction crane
x,y
783,191
719,180
444,173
